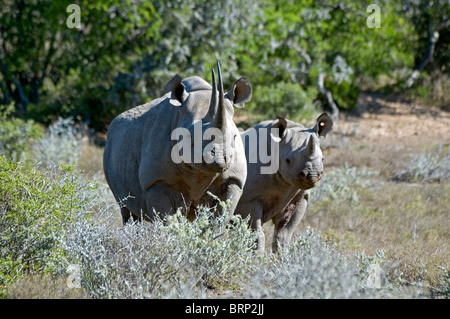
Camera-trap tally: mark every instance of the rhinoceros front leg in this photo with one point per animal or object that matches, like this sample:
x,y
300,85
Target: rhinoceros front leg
x,y
289,219
163,200
126,215
254,208
231,190
228,189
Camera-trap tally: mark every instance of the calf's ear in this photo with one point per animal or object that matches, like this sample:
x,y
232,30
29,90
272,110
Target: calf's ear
x,y
324,125
278,129
179,94
240,93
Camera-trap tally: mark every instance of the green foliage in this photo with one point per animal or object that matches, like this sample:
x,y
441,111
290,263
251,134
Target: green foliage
x,y
17,135
345,93
50,69
426,15
125,52
294,41
285,99
35,208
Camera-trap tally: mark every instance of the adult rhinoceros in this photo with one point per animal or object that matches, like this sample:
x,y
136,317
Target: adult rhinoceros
x,y
150,170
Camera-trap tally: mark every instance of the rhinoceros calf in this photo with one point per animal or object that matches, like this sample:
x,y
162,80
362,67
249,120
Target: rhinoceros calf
x,y
168,153
281,195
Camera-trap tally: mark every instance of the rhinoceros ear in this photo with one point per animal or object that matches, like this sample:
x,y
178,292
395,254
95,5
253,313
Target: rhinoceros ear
x,y
278,129
240,93
324,125
179,94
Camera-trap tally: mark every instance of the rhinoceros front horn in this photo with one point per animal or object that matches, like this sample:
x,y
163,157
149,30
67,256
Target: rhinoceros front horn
x,y
220,115
311,146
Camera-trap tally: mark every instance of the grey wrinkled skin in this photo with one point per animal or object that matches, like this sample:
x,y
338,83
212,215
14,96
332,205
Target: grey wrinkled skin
x,y
283,196
137,159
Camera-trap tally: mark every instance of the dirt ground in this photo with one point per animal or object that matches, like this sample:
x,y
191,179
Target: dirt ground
x,y
385,120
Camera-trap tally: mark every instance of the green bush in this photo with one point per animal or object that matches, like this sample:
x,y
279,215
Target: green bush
x,y
17,135
35,208
344,93
286,99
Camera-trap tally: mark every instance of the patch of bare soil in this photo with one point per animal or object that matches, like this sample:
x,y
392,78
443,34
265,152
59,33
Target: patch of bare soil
x,y
388,120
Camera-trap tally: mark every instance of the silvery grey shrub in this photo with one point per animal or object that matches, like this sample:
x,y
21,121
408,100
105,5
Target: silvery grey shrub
x,y
168,258
339,184
307,268
426,167
60,144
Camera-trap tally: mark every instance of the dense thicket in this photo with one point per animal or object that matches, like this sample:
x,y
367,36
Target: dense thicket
x,y
125,51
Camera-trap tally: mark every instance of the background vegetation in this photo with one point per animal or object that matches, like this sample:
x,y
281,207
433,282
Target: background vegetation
x,y
125,52
61,86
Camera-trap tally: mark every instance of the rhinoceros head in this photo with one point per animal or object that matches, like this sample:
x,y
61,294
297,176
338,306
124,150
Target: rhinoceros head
x,y
301,159
207,113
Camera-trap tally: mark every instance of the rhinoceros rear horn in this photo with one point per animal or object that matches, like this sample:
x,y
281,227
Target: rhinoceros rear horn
x,y
213,104
179,94
240,93
324,125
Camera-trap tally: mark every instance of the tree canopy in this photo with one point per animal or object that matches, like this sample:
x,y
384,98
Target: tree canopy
x,y
124,52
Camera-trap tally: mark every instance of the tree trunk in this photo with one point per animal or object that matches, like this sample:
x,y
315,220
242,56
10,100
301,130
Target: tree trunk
x,y
7,75
432,39
329,96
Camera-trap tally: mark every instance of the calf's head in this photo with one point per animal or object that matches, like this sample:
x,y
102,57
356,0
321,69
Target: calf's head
x,y
300,156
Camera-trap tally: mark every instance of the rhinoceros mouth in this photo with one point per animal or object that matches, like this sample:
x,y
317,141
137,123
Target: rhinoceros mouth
x,y
305,183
